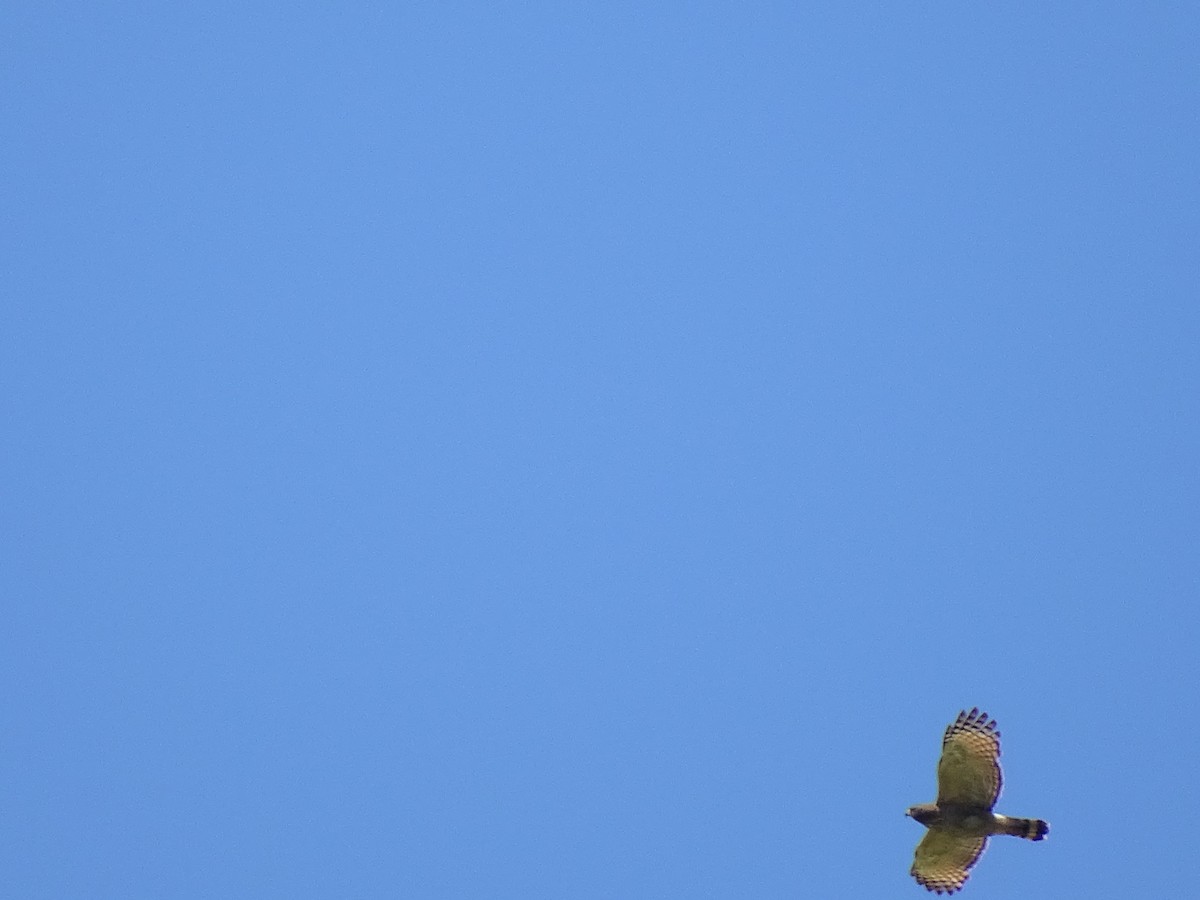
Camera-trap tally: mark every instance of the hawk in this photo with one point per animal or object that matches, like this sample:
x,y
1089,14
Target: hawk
x,y
961,820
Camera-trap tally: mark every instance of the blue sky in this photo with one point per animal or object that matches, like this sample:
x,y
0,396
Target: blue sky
x,y
552,450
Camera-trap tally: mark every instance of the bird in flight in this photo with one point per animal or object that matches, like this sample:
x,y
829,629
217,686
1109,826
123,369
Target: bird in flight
x,y
961,820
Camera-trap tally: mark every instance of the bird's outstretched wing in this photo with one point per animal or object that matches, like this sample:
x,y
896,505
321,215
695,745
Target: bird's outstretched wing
x,y
944,859
969,770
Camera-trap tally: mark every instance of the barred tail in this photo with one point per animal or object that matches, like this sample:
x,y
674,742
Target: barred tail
x,y
1030,829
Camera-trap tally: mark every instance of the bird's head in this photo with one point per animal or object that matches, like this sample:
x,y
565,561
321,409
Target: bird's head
x,y
923,813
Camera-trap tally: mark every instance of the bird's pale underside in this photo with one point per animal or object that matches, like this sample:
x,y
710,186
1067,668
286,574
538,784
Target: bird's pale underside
x,y
961,820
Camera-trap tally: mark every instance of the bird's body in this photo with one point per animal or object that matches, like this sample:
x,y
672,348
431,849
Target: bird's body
x,y
961,820
970,820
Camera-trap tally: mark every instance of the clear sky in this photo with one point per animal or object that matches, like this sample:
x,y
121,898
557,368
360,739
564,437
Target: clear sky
x,y
592,450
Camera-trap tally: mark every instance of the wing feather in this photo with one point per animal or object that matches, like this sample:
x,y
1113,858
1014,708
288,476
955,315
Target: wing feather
x,y
944,858
969,770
